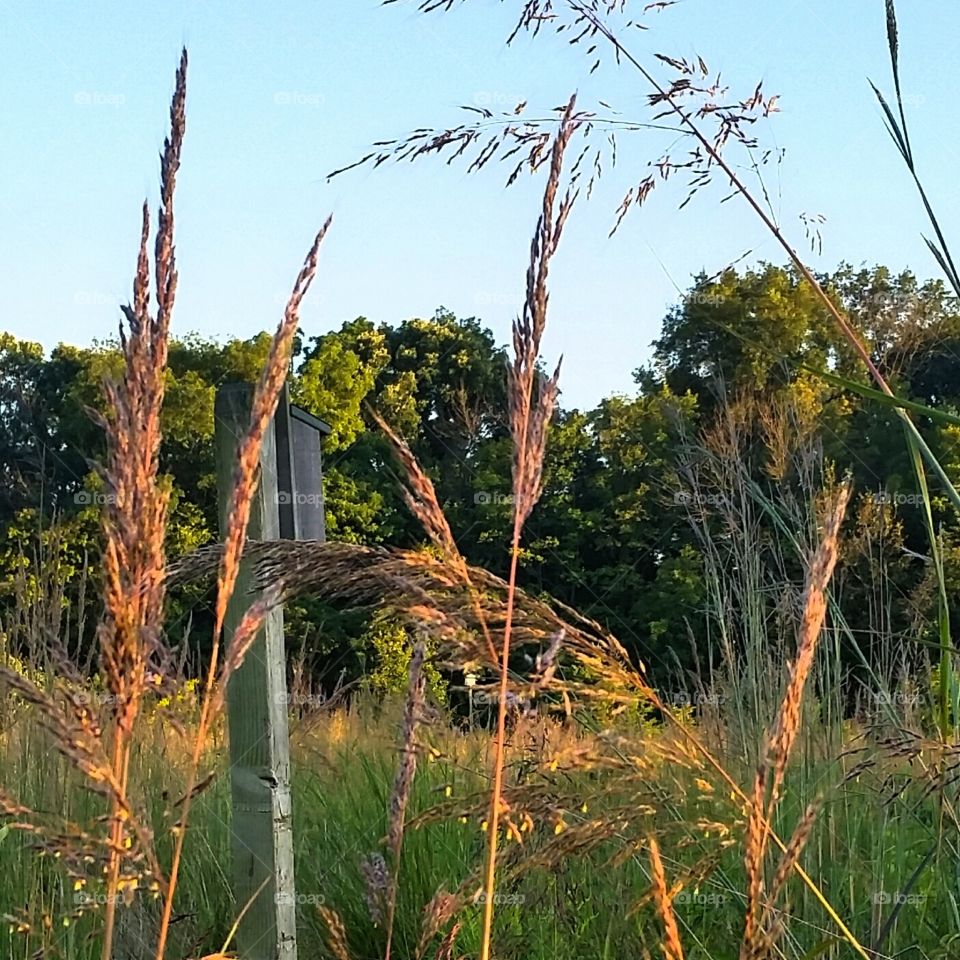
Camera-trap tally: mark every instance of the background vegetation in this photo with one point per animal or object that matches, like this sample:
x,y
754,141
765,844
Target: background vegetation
x,y
764,765
611,536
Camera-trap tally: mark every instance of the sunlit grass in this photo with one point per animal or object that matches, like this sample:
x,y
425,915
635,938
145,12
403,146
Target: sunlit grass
x,y
862,851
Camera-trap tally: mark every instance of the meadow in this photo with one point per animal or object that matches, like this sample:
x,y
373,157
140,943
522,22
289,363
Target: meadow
x,y
529,787
575,883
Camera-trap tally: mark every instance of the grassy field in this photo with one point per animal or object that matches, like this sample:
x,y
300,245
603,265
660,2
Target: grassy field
x,y
798,801
576,886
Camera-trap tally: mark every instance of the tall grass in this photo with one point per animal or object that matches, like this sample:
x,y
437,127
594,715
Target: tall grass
x,y
598,823
98,736
589,898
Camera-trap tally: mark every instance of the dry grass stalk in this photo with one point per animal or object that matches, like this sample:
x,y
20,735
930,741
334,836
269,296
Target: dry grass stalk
x,y
672,98
530,414
336,933
134,519
431,594
246,477
244,636
376,884
421,498
532,401
529,418
798,841
403,782
264,406
420,495
755,843
671,946
814,611
772,769
445,950
439,911
132,652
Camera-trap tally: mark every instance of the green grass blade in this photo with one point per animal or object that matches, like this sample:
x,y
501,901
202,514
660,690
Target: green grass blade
x,y
893,128
894,402
943,609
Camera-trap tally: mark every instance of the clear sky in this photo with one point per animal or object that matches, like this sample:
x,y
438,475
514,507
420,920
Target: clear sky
x,y
281,93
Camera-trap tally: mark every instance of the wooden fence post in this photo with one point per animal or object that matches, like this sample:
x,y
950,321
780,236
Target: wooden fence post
x,y
262,838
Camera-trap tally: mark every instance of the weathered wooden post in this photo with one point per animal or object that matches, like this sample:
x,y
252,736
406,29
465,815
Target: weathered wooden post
x,y
288,499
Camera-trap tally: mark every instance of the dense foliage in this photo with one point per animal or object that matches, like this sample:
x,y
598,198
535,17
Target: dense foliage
x,y
612,535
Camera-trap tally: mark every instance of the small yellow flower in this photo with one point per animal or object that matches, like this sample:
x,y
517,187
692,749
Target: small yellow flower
x,y
559,827
703,785
448,791
484,825
583,808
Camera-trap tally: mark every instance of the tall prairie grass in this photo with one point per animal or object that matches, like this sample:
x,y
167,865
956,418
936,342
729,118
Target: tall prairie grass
x,y
767,817
565,894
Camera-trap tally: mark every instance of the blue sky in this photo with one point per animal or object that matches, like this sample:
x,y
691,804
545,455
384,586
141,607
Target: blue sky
x,y
280,94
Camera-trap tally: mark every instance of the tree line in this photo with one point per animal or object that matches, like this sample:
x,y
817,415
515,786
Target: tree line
x,y
746,366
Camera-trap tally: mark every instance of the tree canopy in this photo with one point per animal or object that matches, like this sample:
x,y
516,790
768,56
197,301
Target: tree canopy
x,y
612,535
